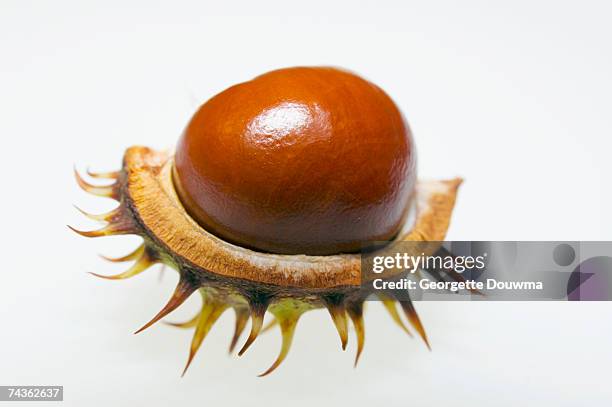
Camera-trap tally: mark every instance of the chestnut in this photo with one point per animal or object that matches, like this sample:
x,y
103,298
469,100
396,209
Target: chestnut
x,y
275,186
307,160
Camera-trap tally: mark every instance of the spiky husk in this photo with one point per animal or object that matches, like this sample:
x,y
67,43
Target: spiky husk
x,y
249,282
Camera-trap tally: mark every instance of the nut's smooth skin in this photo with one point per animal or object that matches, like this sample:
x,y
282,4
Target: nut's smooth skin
x,y
298,161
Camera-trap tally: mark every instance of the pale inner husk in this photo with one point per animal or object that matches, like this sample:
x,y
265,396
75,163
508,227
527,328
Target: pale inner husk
x,y
155,203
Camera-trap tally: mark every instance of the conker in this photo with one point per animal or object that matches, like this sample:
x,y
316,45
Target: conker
x,y
306,160
314,161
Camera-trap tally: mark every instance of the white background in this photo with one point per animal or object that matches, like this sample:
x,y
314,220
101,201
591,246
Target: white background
x,y
513,96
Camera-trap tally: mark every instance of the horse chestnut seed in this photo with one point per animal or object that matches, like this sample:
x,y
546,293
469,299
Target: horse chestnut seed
x,y
313,161
308,160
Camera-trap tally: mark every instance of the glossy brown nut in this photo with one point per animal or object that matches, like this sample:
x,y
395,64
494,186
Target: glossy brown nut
x,y
298,160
